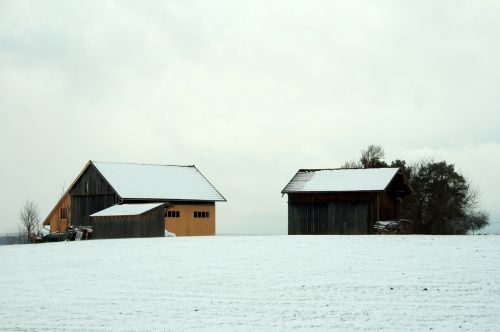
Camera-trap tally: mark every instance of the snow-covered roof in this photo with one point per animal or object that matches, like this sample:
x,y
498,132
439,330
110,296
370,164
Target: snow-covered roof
x,y
126,210
166,182
341,180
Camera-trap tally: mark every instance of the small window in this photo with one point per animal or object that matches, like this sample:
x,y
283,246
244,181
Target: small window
x,y
173,214
63,214
86,187
201,214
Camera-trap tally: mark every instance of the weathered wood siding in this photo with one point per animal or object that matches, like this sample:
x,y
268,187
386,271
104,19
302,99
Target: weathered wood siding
x,y
149,224
58,224
90,194
338,213
332,218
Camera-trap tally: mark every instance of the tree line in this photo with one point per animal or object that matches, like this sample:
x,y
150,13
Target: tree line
x,y
443,202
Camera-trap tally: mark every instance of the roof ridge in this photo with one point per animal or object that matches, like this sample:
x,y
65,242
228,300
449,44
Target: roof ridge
x,y
142,164
341,169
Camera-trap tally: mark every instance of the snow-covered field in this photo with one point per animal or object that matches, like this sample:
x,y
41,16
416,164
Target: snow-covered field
x,y
254,283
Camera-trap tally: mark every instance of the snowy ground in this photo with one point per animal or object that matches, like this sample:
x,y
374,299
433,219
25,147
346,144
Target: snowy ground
x,y
254,283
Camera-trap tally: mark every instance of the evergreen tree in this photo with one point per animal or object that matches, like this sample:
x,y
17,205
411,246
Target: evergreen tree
x,y
443,201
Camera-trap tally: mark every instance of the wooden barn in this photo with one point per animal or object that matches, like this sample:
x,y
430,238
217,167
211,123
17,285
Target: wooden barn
x,y
343,201
188,200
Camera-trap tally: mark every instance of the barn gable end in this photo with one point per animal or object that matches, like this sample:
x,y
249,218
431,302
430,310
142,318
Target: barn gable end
x,y
89,194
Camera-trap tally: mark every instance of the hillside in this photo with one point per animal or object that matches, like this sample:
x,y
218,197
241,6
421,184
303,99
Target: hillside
x,y
253,283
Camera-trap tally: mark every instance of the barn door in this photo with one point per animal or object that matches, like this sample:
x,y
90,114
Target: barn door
x,y
347,218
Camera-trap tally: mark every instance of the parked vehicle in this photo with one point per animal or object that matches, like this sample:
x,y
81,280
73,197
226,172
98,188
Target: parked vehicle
x,y
73,233
58,236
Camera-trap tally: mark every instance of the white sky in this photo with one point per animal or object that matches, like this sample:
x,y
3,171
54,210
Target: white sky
x,y
248,91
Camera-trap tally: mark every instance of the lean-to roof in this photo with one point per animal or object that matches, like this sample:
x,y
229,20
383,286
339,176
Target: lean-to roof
x,y
126,210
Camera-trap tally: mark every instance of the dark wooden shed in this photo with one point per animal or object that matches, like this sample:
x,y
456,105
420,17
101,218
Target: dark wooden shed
x,y
129,220
343,201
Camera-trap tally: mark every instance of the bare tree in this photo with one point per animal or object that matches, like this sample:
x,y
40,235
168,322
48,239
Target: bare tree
x,y
372,157
29,219
477,219
63,191
351,164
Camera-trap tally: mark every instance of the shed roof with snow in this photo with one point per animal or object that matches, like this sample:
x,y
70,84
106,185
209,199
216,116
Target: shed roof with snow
x,y
126,210
341,180
129,220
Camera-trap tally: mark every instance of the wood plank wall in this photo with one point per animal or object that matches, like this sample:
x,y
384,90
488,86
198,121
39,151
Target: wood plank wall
x,y
338,213
54,219
149,224
331,218
90,194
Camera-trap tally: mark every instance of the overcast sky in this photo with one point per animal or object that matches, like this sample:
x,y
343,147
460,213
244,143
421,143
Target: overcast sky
x,y
248,91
